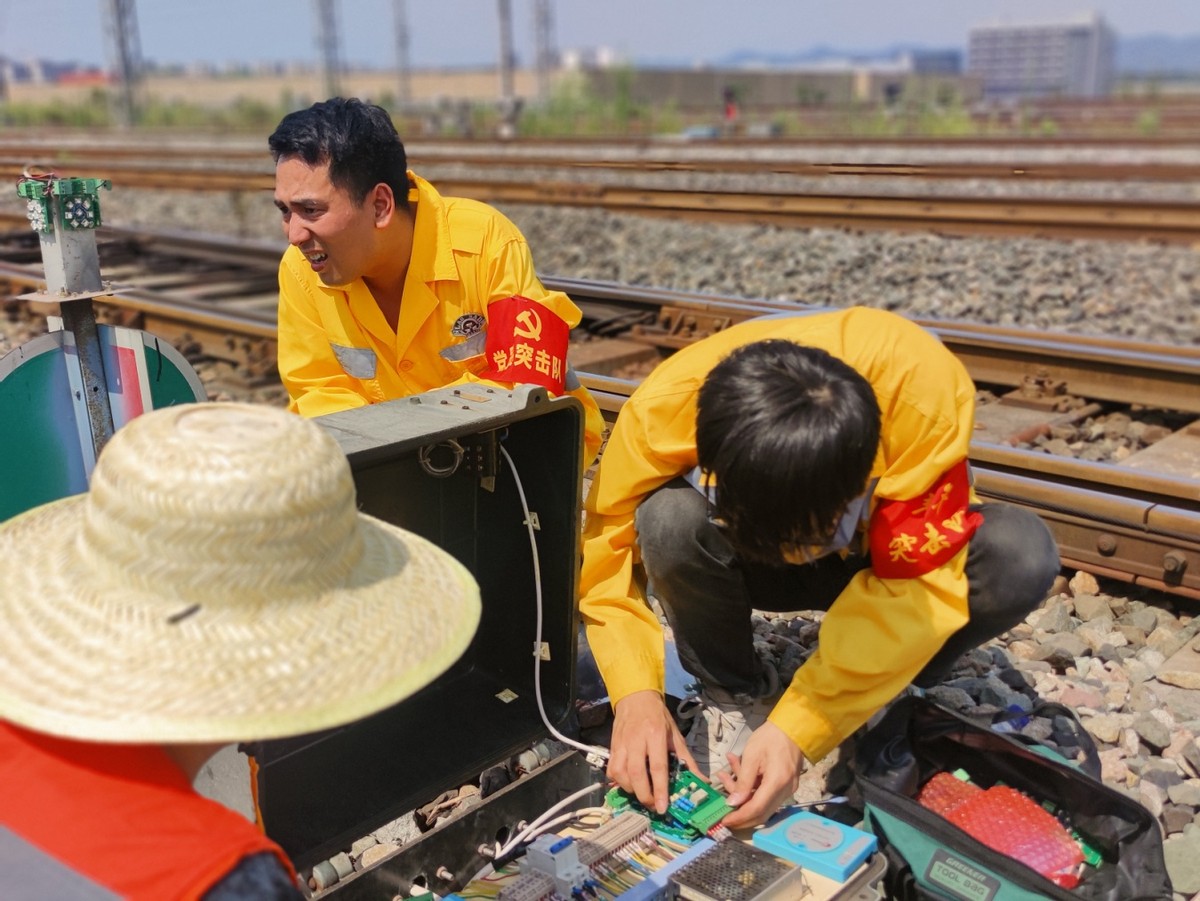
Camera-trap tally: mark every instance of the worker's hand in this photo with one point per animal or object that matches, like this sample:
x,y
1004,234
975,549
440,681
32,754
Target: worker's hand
x,y
643,732
764,779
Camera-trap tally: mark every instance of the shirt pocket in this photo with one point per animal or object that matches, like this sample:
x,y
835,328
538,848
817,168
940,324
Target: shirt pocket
x,y
357,362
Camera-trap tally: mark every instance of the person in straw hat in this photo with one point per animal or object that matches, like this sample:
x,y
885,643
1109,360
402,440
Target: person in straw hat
x,y
215,584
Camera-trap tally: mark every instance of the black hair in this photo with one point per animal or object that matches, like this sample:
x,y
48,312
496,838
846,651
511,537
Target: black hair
x,y
356,139
789,434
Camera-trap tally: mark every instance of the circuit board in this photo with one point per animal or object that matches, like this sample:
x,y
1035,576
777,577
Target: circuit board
x,y
694,808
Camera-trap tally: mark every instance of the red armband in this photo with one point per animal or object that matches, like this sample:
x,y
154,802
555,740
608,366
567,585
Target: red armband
x,y
526,343
911,538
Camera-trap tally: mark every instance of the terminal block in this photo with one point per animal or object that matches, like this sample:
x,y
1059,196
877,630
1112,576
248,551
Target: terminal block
x,y
529,887
619,832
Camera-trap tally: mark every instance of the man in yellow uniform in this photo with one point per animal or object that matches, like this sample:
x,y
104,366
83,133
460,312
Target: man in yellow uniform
x,y
801,462
389,289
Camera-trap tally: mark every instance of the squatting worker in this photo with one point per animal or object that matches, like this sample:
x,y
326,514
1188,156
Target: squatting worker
x,y
800,462
215,584
390,289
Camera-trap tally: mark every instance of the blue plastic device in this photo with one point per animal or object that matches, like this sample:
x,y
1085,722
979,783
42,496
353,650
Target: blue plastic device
x,y
819,844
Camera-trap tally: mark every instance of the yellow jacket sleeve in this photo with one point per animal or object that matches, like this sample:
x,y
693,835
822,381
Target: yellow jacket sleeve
x,y
874,640
651,444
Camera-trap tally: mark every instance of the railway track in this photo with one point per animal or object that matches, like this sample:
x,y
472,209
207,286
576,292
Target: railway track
x,y
1165,221
1138,520
730,157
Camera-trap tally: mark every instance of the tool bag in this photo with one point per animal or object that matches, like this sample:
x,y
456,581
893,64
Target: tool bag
x,y
931,857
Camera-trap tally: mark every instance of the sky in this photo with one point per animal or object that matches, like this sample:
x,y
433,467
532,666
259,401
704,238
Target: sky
x,y
465,32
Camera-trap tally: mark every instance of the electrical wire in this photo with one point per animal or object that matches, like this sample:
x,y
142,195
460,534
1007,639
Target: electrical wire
x,y
537,656
516,840
540,822
531,832
503,851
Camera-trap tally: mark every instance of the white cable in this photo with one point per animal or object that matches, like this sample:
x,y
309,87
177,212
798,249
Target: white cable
x,y
532,832
537,656
541,820
549,812
540,823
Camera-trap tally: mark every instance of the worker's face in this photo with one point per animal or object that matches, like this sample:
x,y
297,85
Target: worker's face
x,y
340,238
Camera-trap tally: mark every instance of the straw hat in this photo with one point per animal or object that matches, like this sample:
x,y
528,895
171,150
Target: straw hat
x,y
217,583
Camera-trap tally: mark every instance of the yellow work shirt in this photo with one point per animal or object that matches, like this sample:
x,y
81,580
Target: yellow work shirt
x,y
880,632
336,350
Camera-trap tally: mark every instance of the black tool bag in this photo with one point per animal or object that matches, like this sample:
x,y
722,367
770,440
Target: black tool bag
x,y
930,857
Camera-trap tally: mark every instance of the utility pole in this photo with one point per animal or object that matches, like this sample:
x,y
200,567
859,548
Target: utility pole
x,y
543,33
509,107
506,51
125,47
330,45
402,69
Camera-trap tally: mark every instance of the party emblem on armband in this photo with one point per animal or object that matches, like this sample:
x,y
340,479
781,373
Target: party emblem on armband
x,y
526,343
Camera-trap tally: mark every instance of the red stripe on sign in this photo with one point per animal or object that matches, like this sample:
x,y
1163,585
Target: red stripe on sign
x,y
132,403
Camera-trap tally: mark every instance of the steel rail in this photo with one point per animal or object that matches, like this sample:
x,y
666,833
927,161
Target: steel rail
x,y
1144,529
665,158
1029,217
1101,368
1175,222
183,142
738,308
1107,517
1095,367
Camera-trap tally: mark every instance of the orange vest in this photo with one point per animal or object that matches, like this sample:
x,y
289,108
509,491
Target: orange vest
x,y
117,818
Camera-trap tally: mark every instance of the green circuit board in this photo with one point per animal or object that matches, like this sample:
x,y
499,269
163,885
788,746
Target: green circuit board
x,y
693,808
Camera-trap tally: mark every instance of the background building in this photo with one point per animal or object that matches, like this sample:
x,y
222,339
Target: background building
x,y
835,81
1072,58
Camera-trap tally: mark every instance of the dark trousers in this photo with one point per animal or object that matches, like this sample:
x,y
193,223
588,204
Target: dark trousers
x,y
708,593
